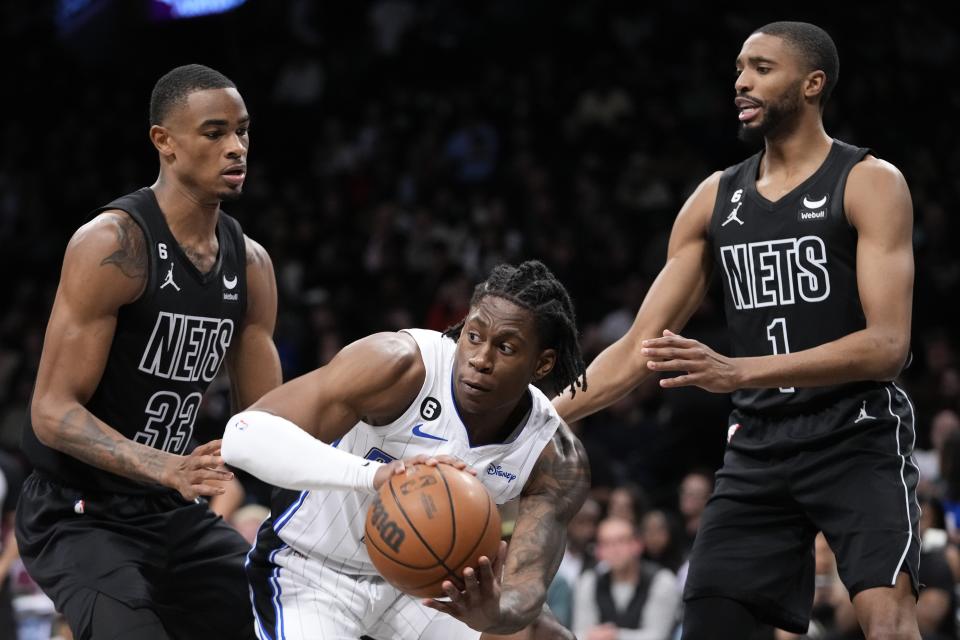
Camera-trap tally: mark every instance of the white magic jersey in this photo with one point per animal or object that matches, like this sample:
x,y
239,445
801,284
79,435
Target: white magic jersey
x,y
327,526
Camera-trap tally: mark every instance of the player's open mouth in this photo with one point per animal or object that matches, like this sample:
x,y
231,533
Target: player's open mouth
x,y
235,174
749,109
474,388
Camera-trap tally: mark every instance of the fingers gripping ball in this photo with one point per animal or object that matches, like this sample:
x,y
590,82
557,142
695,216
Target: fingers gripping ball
x,y
427,525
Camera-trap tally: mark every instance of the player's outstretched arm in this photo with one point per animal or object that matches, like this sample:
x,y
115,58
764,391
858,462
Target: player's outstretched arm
x,y
104,268
552,496
675,294
878,205
253,362
283,438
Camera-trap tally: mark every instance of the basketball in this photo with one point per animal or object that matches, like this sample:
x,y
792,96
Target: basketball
x,y
427,525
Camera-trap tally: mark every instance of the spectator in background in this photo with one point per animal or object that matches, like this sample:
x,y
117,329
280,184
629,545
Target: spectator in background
x,y
950,494
577,558
945,423
661,537
695,489
628,501
632,598
937,604
9,490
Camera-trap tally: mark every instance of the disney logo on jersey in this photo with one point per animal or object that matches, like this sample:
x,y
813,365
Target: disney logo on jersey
x,y
498,470
813,209
186,348
776,272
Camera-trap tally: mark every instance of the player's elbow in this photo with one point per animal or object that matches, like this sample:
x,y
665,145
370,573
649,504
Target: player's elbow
x,y
523,612
234,448
891,355
45,417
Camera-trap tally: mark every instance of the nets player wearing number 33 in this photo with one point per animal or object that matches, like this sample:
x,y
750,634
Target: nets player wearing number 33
x,y
811,238
157,290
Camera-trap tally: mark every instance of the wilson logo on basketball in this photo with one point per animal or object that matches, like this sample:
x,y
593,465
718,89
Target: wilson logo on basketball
x,y
391,534
497,470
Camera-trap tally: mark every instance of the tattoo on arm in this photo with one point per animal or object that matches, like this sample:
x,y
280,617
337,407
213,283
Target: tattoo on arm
x,y
131,256
255,253
554,494
80,435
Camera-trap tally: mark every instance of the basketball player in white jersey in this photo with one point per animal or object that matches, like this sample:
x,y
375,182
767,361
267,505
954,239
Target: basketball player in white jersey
x,y
393,398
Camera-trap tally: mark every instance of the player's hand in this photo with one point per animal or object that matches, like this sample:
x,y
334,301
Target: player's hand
x,y
605,631
398,467
478,605
702,366
197,474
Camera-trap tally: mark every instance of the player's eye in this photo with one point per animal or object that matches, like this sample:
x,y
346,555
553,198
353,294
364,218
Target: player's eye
x,y
213,135
507,349
242,131
473,337
763,70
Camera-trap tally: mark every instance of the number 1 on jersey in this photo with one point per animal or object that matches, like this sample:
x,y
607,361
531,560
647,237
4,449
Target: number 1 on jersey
x,y
777,335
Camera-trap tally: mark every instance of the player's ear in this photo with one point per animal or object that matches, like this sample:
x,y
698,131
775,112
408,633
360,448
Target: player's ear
x,y
545,362
160,137
814,84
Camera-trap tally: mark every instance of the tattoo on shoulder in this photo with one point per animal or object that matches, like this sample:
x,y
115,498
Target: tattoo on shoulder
x,y
563,473
254,253
131,256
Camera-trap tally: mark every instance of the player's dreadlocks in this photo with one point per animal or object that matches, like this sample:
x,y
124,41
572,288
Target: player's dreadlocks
x,y
532,286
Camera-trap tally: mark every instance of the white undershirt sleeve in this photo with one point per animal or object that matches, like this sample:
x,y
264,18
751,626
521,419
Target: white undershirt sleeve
x,y
280,453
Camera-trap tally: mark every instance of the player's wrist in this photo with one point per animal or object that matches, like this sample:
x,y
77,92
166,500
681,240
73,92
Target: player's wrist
x,y
742,373
162,468
370,477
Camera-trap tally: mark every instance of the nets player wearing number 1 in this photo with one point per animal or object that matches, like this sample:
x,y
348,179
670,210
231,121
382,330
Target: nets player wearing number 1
x,y
157,291
811,239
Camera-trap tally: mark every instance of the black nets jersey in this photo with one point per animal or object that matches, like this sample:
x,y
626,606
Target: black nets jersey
x,y
167,347
789,272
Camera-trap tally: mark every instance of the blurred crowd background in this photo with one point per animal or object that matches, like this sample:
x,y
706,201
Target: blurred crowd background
x,y
401,148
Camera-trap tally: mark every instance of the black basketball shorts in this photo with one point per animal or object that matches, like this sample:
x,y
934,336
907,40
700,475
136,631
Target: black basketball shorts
x,y
846,471
160,552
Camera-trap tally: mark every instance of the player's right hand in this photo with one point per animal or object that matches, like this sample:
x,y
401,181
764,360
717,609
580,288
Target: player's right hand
x,y
199,473
397,467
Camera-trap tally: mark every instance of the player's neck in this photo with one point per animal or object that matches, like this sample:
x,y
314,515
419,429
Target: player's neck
x,y
496,427
800,151
192,220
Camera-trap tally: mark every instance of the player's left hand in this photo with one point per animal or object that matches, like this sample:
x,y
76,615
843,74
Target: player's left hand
x,y
478,605
702,366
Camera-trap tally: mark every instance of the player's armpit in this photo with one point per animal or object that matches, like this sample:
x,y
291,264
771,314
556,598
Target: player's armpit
x,y
553,494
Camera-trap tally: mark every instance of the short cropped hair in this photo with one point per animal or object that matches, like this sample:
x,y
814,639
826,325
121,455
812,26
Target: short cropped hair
x,y
816,49
173,88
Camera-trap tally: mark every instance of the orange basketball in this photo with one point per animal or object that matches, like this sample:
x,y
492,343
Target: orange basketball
x,y
427,525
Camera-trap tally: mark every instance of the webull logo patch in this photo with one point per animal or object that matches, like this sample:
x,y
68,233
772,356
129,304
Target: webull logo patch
x,y
497,470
